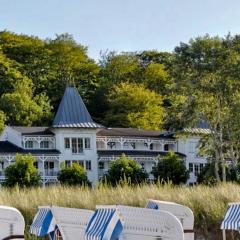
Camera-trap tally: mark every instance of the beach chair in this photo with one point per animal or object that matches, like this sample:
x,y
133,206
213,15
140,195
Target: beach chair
x,y
231,219
71,222
12,224
183,213
130,223
44,223
60,223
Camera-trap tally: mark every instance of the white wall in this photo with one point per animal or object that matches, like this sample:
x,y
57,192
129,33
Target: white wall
x,y
189,147
87,155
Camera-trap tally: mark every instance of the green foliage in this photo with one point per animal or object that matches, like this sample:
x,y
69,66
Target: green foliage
x,y
207,176
125,170
23,108
74,175
171,168
22,172
133,105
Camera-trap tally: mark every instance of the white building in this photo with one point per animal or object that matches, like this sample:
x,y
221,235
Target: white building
x,y
75,137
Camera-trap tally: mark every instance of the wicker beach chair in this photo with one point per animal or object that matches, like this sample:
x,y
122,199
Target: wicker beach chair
x,y
12,224
183,213
131,223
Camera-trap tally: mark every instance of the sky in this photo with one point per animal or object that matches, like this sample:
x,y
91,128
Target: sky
x,y
122,25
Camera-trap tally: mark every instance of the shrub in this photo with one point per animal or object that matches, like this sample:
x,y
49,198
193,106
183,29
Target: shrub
x,y
171,168
22,172
74,175
124,169
207,176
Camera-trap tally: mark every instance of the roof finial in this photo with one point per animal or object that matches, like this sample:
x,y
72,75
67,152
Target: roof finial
x,y
70,81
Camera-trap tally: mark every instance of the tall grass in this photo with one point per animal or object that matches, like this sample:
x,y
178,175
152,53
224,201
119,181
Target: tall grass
x,y
208,203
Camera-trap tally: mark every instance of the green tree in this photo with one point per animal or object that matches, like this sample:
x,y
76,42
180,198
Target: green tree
x,y
171,168
22,172
156,78
125,169
2,120
23,108
206,73
132,105
69,63
74,175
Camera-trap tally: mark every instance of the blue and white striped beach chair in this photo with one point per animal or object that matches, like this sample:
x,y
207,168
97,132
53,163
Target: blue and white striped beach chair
x,y
231,220
59,222
137,223
12,224
183,213
43,223
105,224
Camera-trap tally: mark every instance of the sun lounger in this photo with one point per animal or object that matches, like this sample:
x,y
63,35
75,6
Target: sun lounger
x,y
12,224
131,223
183,213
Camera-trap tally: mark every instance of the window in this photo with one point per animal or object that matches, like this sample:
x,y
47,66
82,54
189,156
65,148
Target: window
x,y
35,164
29,144
49,165
196,169
201,167
133,145
151,146
101,165
190,167
74,145
44,144
68,163
67,143
88,165
166,147
80,145
87,143
81,163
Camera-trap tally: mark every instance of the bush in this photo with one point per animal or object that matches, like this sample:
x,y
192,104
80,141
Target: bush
x,y
22,172
207,176
125,170
171,168
74,175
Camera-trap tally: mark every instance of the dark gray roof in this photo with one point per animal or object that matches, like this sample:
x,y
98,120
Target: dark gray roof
x,y
33,130
8,147
134,153
72,112
134,132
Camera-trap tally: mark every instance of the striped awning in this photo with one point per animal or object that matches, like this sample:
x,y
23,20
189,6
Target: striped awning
x,y
105,224
231,220
43,222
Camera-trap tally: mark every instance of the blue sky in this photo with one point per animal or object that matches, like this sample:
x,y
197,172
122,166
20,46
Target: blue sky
x,y
122,25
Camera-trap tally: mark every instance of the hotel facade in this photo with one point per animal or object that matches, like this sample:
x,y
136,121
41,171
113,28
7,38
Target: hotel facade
x,y
75,137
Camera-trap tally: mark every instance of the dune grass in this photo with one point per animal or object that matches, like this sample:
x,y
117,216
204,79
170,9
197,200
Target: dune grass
x,y
208,203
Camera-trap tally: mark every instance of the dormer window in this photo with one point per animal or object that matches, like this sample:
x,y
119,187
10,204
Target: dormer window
x,y
44,144
29,144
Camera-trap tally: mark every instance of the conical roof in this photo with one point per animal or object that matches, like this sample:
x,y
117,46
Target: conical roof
x,y
72,112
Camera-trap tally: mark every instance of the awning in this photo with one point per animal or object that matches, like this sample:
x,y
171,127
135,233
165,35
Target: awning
x,y
43,222
231,220
104,224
